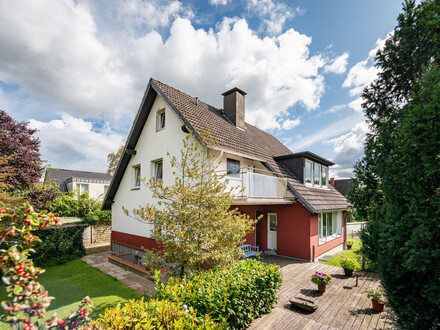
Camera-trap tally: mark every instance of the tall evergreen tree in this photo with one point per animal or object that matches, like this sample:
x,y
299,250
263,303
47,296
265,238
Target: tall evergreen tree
x,y
397,182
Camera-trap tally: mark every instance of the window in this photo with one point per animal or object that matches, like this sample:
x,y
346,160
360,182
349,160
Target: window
x,y
316,174
137,176
308,178
160,120
158,170
329,226
105,189
82,188
272,221
324,175
233,168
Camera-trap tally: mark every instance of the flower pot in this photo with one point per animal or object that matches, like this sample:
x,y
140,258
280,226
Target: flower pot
x,y
378,306
348,247
348,272
321,288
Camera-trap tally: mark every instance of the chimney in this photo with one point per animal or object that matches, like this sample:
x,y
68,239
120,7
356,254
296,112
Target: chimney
x,y
332,182
233,106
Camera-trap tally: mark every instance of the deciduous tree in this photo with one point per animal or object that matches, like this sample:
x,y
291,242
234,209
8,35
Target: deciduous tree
x,y
193,220
113,159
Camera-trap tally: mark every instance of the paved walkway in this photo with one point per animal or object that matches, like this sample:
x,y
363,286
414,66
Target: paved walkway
x,y
343,306
139,284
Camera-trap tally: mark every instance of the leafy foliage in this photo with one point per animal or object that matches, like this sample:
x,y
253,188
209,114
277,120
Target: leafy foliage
x,y
29,298
397,183
349,263
194,223
40,195
236,294
72,205
19,143
374,294
58,245
113,160
154,314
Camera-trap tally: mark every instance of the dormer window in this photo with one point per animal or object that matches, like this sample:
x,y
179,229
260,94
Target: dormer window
x,y
316,174
160,120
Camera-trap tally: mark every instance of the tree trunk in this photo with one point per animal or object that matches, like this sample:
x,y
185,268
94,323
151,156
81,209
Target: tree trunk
x,y
182,271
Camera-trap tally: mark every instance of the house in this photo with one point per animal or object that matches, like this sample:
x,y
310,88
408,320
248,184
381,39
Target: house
x,y
303,216
95,183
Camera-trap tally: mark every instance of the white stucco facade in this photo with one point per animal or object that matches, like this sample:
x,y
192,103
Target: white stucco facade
x,y
152,145
96,190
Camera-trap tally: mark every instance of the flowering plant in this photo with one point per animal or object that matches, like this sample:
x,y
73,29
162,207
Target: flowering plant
x,y
374,294
321,278
349,244
349,263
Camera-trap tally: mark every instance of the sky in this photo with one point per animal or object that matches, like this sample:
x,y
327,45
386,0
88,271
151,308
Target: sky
x,y
77,70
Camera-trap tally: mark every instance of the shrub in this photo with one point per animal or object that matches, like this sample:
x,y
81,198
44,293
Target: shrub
x,y
349,263
154,314
236,294
321,279
58,245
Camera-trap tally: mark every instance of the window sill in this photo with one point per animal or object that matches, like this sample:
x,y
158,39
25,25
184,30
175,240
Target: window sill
x,y
135,188
328,240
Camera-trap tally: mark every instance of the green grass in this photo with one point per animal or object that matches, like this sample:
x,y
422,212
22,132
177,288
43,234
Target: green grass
x,y
335,261
74,280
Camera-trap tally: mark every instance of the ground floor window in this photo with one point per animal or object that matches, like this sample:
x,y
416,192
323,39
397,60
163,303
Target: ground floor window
x,y
329,226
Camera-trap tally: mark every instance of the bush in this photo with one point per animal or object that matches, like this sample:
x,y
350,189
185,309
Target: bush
x,y
58,245
349,263
236,294
154,314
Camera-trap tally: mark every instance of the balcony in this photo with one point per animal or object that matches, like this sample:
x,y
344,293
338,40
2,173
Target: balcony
x,y
250,185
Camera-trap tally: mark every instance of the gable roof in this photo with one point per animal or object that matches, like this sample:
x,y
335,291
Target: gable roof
x,y
343,186
60,177
196,116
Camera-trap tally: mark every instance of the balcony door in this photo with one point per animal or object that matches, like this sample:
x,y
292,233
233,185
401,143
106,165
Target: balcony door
x,y
272,231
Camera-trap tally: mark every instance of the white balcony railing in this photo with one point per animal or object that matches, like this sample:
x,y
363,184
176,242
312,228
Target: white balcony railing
x,y
246,183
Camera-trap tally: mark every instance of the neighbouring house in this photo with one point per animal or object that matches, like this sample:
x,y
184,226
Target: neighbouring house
x,y
95,183
303,216
343,186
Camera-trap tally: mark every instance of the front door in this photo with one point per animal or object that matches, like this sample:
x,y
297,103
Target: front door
x,y
272,231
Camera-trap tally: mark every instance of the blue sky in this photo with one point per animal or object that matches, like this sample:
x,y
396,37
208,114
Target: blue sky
x,y
77,70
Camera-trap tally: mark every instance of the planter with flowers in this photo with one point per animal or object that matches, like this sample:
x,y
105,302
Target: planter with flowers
x,y
349,245
376,298
349,265
322,280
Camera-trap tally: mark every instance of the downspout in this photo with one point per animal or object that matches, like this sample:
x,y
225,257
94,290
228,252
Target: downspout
x,y
220,156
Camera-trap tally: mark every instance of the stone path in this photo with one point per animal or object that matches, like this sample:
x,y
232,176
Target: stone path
x,y
139,284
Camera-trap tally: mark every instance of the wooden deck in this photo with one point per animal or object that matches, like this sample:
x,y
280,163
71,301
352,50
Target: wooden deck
x,y
342,306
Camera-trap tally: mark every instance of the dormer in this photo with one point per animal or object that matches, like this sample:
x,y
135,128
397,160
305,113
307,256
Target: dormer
x,y
309,168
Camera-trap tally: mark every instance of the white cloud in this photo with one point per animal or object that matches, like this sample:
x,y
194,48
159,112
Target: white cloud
x,y
348,148
273,14
74,143
149,14
330,131
364,72
54,52
290,123
218,2
339,65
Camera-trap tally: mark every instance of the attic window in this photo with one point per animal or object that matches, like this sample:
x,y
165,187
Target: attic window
x,y
136,176
316,175
157,167
160,120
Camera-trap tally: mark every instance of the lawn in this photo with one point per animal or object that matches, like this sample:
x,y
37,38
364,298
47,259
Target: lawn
x,y
70,282
335,261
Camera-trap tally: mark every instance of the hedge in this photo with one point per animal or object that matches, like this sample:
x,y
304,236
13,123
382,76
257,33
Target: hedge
x,y
154,314
59,245
229,297
236,294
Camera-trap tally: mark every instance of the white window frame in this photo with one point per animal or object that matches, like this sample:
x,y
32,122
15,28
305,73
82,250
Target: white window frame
x,y
80,188
336,230
326,176
229,173
311,173
154,167
136,183
316,165
160,120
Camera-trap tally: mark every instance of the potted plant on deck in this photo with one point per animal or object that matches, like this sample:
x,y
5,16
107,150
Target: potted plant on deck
x,y
322,280
349,265
376,298
349,244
